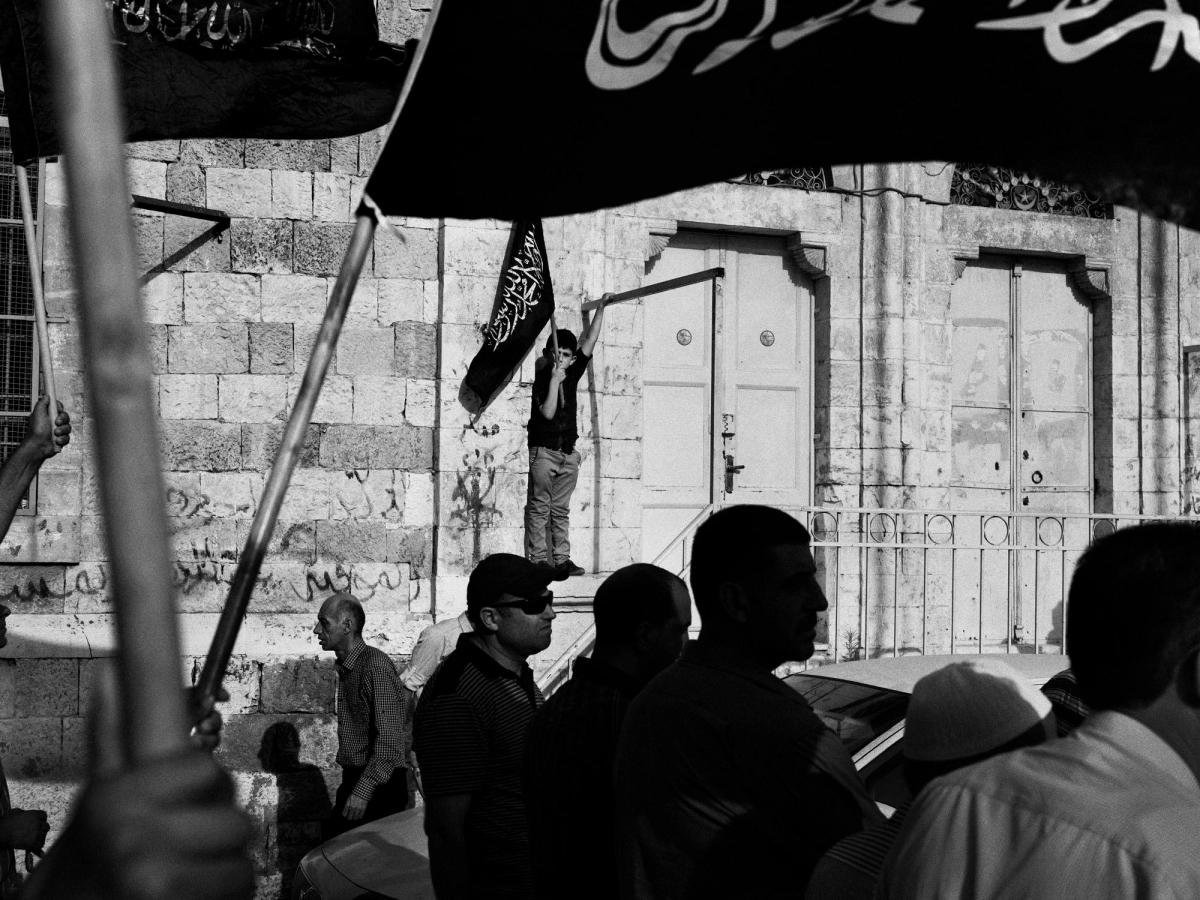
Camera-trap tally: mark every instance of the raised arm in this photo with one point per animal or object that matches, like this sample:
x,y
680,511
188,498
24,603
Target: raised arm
x,y
42,440
588,342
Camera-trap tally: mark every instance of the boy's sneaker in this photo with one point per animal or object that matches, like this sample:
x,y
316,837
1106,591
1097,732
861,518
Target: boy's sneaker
x,y
569,568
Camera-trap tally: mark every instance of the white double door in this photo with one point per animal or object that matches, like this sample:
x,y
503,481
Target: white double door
x,y
727,373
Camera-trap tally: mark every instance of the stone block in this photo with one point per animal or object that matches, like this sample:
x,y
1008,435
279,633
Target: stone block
x,y
239,192
207,446
418,498
186,184
223,152
31,748
203,537
471,250
28,589
413,546
148,242
407,253
298,686
469,299
253,398
194,245
308,497
216,349
343,154
292,195
187,396
351,541
400,300
416,350
271,350
300,156
420,402
378,401
58,492
331,197
147,177
292,543
162,299
321,246
231,495
260,445
369,495
295,299
367,351
261,245
336,403
46,687
213,297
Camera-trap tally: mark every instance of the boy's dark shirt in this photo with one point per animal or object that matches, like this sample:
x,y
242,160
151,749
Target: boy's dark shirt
x,y
561,432
569,794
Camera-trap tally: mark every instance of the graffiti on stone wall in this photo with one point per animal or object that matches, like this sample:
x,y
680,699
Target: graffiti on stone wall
x,y
475,481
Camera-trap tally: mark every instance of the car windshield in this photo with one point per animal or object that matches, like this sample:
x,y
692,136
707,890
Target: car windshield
x,y
856,713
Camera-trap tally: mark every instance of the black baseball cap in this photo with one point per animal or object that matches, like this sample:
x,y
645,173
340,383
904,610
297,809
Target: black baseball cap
x,y
507,573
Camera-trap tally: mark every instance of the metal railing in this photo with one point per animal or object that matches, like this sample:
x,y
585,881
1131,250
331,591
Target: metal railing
x,y
903,581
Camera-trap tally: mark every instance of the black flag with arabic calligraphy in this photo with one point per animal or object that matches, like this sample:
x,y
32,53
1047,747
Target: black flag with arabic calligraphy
x,y
524,304
303,69
651,96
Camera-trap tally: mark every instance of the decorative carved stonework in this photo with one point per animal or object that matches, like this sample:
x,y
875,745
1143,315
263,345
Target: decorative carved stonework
x,y
1092,281
809,258
809,179
660,233
960,266
1009,189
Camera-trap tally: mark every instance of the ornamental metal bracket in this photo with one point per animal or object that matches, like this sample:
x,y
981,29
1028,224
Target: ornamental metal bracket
x,y
810,258
153,204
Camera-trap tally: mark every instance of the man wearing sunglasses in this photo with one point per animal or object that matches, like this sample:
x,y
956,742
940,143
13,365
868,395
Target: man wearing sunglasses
x,y
471,727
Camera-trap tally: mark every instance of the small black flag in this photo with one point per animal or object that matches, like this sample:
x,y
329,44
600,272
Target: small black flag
x,y
524,304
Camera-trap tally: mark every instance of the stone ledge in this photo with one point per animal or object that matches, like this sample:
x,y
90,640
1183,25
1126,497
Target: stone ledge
x,y
61,636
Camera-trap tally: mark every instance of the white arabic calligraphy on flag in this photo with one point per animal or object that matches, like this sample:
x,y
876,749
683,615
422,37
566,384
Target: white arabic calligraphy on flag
x,y
524,281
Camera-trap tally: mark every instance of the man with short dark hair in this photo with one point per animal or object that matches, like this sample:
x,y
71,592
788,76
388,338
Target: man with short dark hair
x,y
728,785
553,459
1113,810
471,727
642,615
372,712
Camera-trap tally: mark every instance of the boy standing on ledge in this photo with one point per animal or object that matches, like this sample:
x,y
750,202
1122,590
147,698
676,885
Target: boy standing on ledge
x,y
553,459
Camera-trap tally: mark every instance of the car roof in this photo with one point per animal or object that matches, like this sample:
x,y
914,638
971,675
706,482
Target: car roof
x,y
902,672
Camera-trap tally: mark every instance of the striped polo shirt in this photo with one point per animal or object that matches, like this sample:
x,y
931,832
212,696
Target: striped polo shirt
x,y
471,725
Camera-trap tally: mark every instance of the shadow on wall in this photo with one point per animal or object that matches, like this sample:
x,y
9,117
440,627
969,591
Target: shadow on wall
x,y
303,802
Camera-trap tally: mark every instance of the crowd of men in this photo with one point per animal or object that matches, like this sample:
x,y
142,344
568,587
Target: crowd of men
x,y
664,769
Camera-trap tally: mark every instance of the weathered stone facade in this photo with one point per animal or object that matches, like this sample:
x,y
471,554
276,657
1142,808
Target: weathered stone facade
x,y
398,493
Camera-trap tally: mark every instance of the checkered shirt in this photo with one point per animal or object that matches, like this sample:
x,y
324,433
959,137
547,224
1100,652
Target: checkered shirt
x,y
372,710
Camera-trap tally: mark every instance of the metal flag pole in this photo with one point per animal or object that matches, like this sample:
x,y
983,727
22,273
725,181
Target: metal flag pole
x,y
647,290
39,296
117,360
251,558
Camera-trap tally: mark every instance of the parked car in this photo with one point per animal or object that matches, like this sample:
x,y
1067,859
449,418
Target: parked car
x,y
864,703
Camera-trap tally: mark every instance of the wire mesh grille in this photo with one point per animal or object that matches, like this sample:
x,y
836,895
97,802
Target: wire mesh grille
x,y
17,372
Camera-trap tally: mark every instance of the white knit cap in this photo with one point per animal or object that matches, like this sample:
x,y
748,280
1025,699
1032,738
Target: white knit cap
x,y
968,708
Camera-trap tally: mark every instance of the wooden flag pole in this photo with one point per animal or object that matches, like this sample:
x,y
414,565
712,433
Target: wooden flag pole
x,y
116,357
39,296
250,561
554,347
646,291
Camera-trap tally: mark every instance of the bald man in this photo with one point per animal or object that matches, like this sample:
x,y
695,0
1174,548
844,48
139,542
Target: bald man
x,y
372,710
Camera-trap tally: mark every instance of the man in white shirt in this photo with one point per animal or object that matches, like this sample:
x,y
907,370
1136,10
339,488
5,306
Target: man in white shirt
x,y
1113,810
